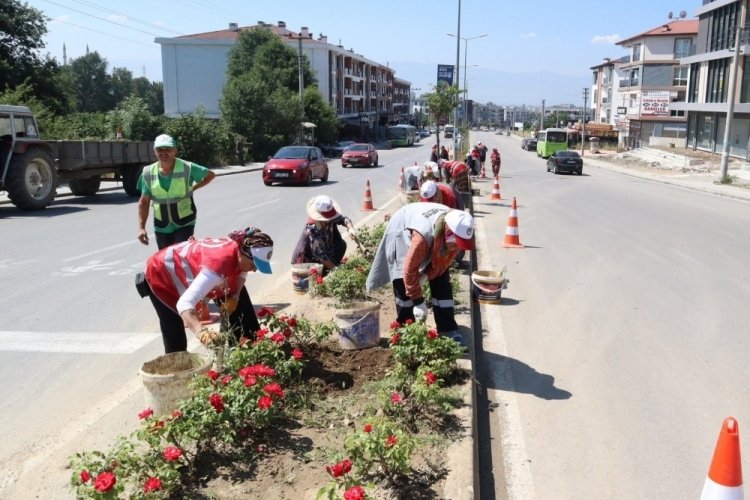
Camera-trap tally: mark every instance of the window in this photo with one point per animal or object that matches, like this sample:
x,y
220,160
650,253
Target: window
x,y
682,47
693,88
636,52
718,75
680,77
722,27
634,76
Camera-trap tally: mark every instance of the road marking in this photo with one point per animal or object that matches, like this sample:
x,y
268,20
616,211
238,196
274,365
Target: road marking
x,y
75,342
518,477
107,249
253,207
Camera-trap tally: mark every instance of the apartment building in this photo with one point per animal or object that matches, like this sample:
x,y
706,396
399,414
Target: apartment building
x,y
709,74
651,81
363,92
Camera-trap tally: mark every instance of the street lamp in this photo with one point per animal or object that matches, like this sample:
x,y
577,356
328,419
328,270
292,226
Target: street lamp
x,y
466,53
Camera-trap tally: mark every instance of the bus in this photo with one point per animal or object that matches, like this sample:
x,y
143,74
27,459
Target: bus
x,y
448,131
550,140
402,135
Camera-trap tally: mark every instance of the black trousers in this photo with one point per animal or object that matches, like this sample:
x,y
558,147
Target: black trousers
x,y
243,322
164,240
442,303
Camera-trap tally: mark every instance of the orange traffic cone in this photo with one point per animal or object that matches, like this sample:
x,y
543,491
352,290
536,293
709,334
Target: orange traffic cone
x,y
203,313
724,481
367,205
402,181
481,173
512,239
495,195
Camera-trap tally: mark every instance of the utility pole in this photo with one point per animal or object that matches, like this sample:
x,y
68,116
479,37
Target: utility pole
x,y
298,37
458,65
730,99
583,120
541,118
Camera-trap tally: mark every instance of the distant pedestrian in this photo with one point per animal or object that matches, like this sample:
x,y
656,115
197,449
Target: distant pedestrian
x,y
240,150
444,155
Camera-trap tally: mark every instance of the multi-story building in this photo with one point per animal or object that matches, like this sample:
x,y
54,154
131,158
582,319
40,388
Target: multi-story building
x,y
363,92
602,92
652,80
710,70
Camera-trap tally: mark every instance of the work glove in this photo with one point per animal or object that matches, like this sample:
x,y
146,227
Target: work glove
x,y
229,305
420,311
207,337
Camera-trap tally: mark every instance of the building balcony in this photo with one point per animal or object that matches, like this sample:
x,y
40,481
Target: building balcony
x,y
629,82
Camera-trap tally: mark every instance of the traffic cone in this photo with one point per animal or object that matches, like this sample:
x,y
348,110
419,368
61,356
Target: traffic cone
x,y
367,205
402,181
495,195
512,239
724,480
481,172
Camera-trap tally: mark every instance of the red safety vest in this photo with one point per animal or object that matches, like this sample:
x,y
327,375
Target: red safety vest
x,y
170,271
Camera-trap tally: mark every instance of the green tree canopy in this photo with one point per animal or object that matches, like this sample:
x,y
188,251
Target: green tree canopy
x,y
91,83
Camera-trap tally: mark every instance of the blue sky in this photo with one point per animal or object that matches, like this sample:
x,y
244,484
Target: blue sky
x,y
534,49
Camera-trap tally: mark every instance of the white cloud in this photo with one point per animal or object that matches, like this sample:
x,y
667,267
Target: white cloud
x,y
529,35
606,39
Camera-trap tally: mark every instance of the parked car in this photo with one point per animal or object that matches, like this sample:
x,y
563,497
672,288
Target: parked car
x,y
336,150
565,161
296,165
529,144
360,154
425,133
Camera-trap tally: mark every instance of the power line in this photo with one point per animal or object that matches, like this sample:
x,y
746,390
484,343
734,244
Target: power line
x,y
104,33
101,18
128,17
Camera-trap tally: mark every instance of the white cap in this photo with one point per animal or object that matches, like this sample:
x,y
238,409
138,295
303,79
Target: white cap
x,y
164,141
462,225
428,189
431,165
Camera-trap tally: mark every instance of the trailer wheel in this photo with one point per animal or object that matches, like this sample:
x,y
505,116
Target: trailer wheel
x,y
85,187
130,177
31,180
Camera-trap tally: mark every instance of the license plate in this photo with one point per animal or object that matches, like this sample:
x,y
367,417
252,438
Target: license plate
x,y
571,162
281,174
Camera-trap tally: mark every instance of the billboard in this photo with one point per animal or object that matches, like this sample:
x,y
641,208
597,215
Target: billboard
x,y
655,103
445,73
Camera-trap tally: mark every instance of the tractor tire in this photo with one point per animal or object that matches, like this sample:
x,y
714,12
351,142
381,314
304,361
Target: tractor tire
x,y
85,187
31,180
130,176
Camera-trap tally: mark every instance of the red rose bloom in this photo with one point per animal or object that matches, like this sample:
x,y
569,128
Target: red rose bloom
x,y
261,334
278,338
257,371
319,280
394,339
217,402
355,493
391,441
274,389
396,398
287,332
85,476
104,482
265,402
145,413
409,321
152,484
340,468
297,354
313,271
432,334
367,428
430,378
249,381
265,311
176,414
291,322
213,375
171,453
395,325
226,379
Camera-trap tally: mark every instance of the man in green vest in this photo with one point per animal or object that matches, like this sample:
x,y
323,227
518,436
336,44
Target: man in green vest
x,y
168,186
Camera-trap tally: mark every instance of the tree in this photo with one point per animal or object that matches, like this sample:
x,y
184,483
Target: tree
x,y
322,115
122,85
441,101
22,29
91,84
151,92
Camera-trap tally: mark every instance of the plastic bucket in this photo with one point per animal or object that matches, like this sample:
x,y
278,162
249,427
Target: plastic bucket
x,y
359,327
488,286
301,276
167,379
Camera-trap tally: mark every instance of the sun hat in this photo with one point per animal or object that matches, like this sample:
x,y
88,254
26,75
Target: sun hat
x,y
461,225
322,208
164,141
428,190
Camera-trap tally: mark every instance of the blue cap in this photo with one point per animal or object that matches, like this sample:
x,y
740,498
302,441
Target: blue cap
x,y
262,258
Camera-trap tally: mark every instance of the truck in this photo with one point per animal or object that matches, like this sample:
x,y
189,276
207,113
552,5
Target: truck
x,y
32,168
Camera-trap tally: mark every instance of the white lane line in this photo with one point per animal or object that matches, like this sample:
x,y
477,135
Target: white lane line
x,y
253,207
75,343
518,477
107,249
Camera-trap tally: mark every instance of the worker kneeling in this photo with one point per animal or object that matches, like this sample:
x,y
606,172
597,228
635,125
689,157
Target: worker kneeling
x,y
420,243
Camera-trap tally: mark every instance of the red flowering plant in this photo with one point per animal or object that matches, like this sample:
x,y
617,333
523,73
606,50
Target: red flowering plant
x,y
414,345
341,478
380,448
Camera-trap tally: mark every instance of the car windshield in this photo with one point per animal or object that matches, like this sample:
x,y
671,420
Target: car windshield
x,y
344,144
567,154
357,147
291,152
